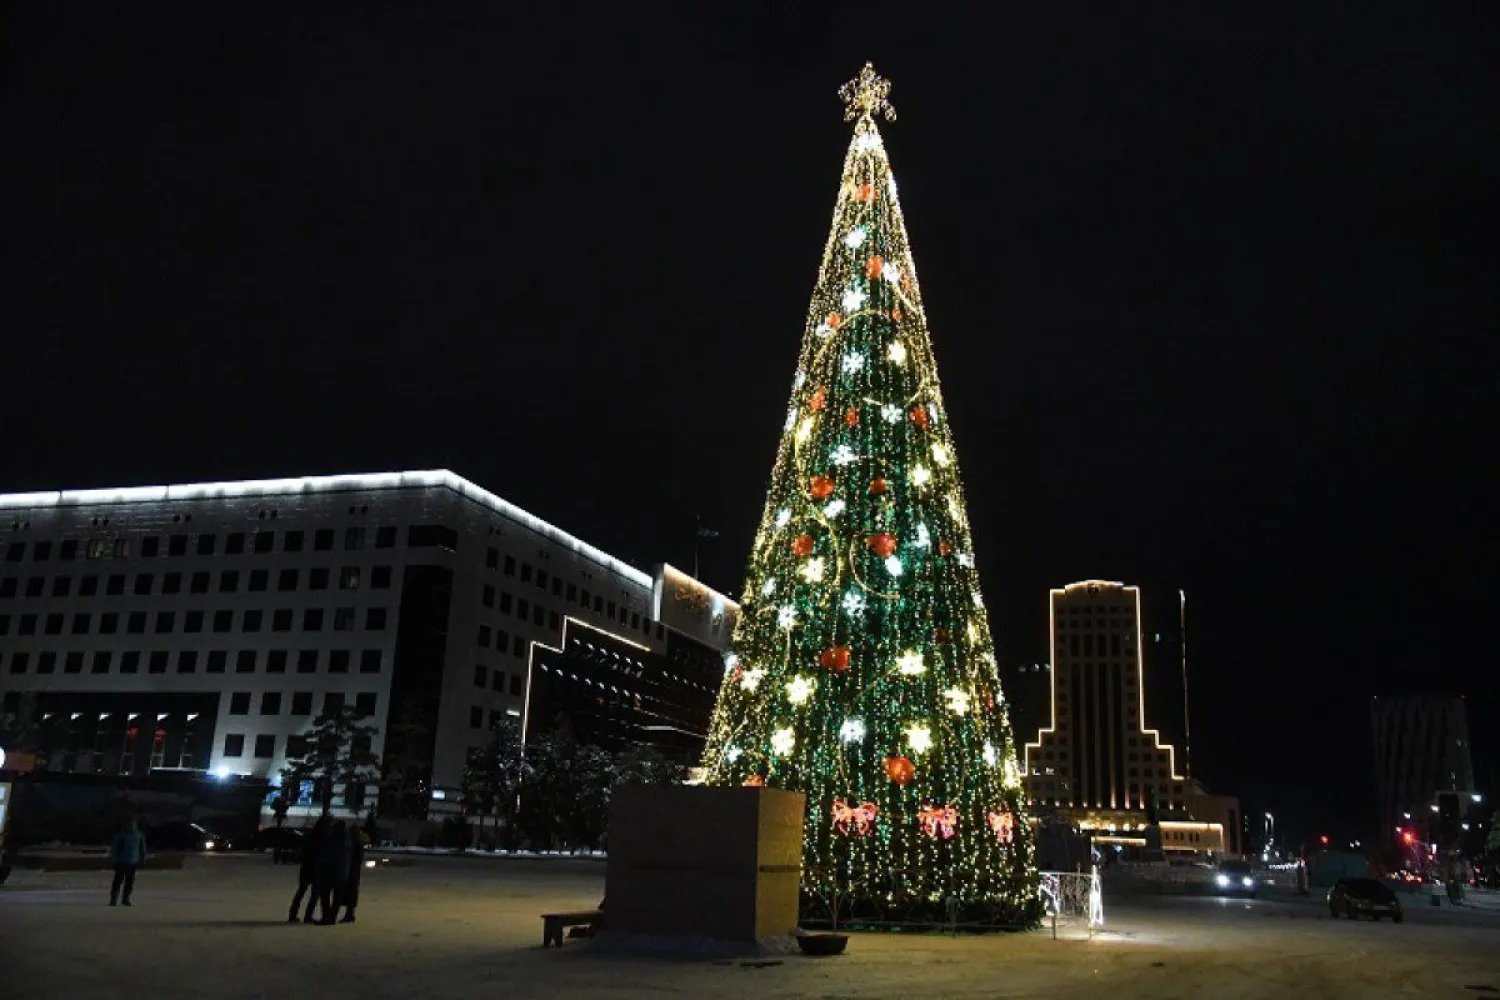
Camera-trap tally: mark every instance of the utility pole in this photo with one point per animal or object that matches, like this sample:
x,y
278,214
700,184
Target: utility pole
x,y
1187,723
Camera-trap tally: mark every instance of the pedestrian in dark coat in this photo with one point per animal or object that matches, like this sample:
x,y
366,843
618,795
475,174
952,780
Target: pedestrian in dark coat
x,y
333,870
307,874
127,852
350,899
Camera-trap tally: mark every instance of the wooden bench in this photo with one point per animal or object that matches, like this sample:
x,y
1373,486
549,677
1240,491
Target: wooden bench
x,y
553,924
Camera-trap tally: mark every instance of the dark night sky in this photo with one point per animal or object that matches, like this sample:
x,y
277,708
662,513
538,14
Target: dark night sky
x,y
1214,296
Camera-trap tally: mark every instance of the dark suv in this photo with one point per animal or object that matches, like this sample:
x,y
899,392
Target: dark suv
x,y
1354,897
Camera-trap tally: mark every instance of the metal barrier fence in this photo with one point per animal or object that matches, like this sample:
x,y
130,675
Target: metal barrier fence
x,y
1075,902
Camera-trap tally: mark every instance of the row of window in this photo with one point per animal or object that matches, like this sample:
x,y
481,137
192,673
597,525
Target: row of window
x,y
300,703
1089,609
614,612
199,582
235,543
165,623
476,716
484,677
216,661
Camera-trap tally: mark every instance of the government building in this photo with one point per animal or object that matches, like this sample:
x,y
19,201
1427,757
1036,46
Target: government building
x,y
203,627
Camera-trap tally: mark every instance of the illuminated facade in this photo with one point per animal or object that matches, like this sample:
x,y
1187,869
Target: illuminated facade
x,y
202,627
1097,764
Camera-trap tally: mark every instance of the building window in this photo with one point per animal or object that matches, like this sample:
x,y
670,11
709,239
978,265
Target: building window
x,y
229,581
517,685
338,661
323,540
487,596
317,579
286,580
101,663
223,621
205,545
81,622
364,703
244,661
333,701
276,661
572,591
265,541
177,545
27,625
187,661
484,636
369,661
234,745
239,703
46,663
354,539
270,703
88,585
481,675
34,586
538,614
476,717
349,578
157,664
114,585
259,580
265,746
135,622
491,558
143,583
541,579
216,660
171,583
165,621
431,536
343,619
497,682
519,646
502,640
198,582
312,620
523,608
385,537
375,619
61,585
307,661
510,565
380,578
506,602
291,541
252,620
555,620
234,544
281,620
301,703
526,572
73,663
150,545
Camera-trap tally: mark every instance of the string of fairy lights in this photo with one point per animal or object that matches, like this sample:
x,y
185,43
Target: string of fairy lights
x,y
862,671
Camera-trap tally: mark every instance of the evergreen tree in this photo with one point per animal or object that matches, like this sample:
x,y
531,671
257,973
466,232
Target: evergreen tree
x,y
862,671
335,755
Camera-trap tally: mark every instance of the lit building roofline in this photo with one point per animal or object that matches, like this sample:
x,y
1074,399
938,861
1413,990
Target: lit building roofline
x,y
422,479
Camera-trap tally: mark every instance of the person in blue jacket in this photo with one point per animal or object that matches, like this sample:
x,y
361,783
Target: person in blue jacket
x,y
127,852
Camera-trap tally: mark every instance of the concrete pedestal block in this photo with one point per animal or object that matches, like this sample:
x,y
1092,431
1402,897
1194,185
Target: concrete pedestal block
x,y
697,863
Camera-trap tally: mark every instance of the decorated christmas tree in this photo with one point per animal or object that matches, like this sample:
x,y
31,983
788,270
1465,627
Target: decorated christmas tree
x,y
862,671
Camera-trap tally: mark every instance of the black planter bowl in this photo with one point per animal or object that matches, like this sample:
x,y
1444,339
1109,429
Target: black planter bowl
x,y
822,944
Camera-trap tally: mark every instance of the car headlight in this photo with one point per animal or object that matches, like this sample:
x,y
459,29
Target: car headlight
x,y
208,845
1221,879
1247,881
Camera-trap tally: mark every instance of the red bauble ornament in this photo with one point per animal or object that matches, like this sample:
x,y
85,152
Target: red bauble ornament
x,y
819,399
802,546
873,266
822,487
897,315
900,770
940,634
851,417
866,192
755,781
834,319
944,549
835,658
921,417
882,544
879,486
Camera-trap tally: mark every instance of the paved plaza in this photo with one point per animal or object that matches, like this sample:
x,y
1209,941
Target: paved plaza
x,y
454,927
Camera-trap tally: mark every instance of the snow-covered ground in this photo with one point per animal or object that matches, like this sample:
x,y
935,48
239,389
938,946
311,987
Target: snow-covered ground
x,y
456,927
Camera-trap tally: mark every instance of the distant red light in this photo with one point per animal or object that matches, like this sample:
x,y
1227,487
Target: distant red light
x,y
1408,837
1323,839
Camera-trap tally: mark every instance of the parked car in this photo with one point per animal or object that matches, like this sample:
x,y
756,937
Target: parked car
x,y
1354,897
1235,878
287,839
180,835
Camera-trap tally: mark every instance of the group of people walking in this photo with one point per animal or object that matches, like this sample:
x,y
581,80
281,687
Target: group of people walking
x,y
333,856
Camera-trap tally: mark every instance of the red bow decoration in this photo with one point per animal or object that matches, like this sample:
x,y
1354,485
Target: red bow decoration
x,y
1004,825
938,821
858,820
